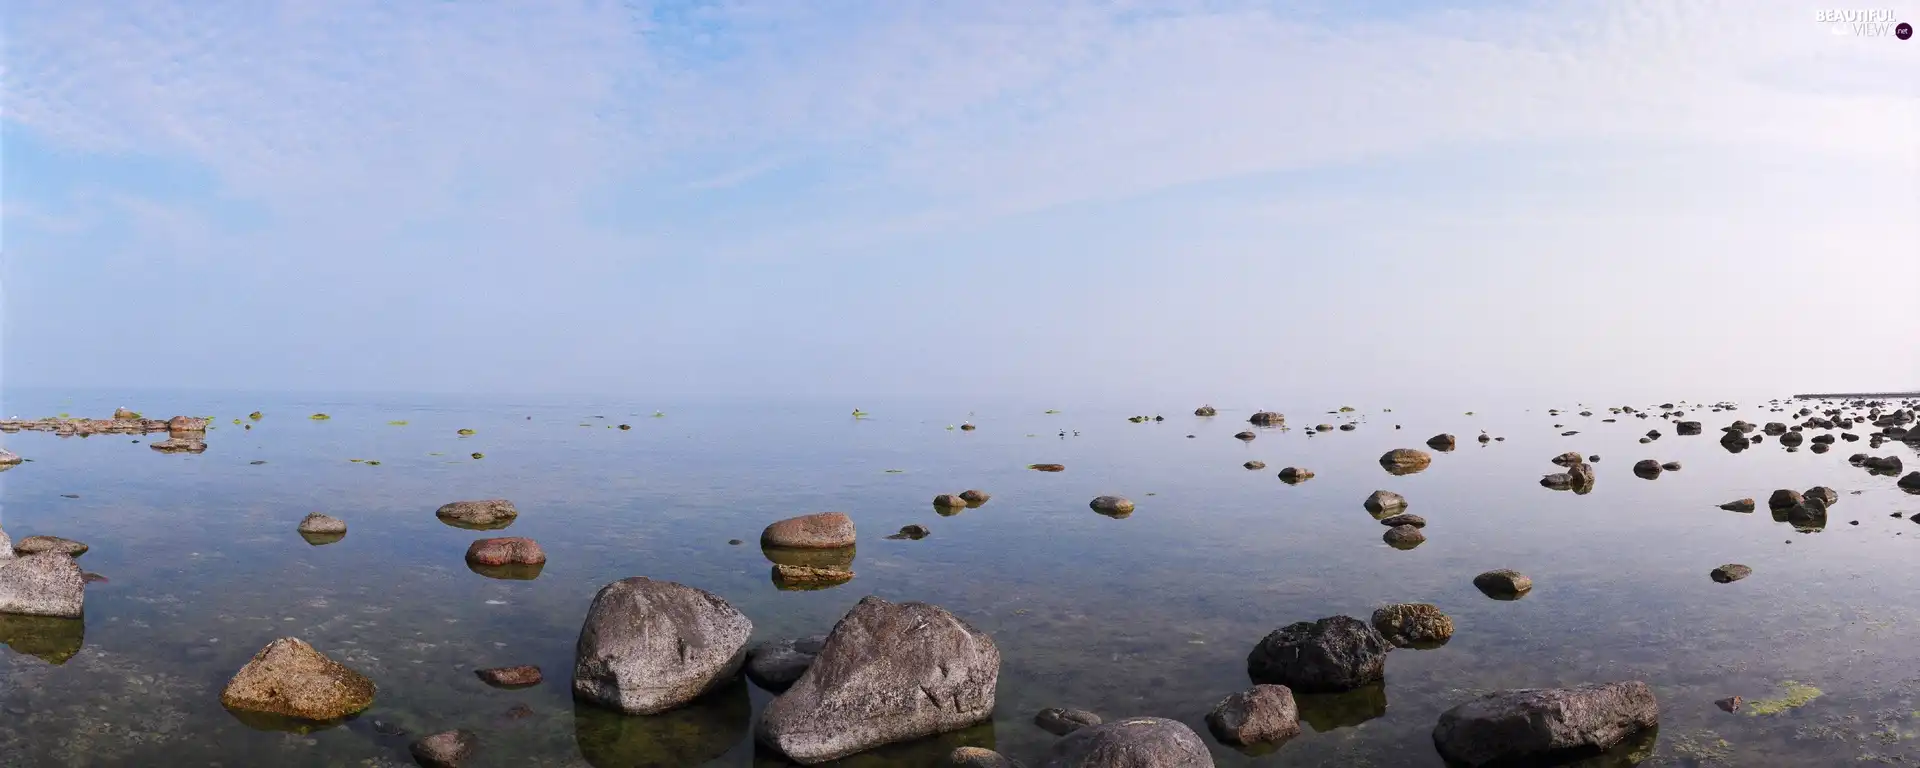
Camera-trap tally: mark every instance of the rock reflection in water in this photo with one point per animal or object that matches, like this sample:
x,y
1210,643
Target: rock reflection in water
x,y
1327,711
920,753
832,559
689,736
52,640
514,572
264,721
318,539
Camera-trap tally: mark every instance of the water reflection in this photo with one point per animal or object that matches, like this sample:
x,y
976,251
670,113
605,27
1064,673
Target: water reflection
x,y
689,736
511,572
913,754
266,721
830,559
319,539
1329,711
52,640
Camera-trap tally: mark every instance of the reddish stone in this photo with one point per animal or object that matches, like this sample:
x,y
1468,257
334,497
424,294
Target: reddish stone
x,y
509,550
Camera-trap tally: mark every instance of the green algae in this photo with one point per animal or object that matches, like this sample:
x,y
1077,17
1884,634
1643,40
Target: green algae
x,y
397,423
1793,695
319,417
464,432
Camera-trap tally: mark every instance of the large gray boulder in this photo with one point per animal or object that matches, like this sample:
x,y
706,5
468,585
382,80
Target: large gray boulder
x,y
1332,655
889,672
1135,742
1260,715
650,646
43,584
1533,726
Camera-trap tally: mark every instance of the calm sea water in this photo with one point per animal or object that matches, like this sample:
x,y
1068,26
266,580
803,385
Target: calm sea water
x,y
1149,615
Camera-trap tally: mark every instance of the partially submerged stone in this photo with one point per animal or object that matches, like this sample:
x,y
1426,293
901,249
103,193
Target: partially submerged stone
x,y
1384,501
1061,722
1116,506
1738,505
1404,461
975,497
651,646
317,523
808,577
43,584
1503,583
889,672
1263,714
1404,519
447,749
1404,537
949,500
1541,725
291,679
1730,573
824,530
33,545
979,757
507,550
510,677
1412,625
482,512
1330,655
1295,475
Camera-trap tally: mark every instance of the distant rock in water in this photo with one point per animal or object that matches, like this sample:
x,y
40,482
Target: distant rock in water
x,y
1688,428
1117,506
1136,742
1047,467
1255,464
1647,468
508,550
1267,419
179,445
975,497
1558,481
1731,572
1295,475
1740,505
1504,583
825,530
913,531
1441,442
1205,410
1405,461
806,577
1330,655
484,512
9,458
949,500
1910,482
1671,466
1404,537
1544,726
291,679
1384,501
1245,435
318,523
1404,519
1784,499
123,414
1827,496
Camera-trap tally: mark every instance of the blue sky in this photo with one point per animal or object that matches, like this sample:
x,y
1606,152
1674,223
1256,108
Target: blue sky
x,y
1195,199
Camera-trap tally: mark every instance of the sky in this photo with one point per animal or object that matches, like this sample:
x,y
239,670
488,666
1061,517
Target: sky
x,y
1116,200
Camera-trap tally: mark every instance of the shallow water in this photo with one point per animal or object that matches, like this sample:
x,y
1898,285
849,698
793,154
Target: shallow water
x,y
1148,615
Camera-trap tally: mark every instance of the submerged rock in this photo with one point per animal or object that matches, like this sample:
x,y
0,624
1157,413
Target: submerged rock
x,y
1263,714
1413,624
977,757
43,584
1136,742
825,530
914,531
889,672
1730,573
290,679
447,749
484,512
1334,654
1541,725
775,664
511,677
1061,722
650,646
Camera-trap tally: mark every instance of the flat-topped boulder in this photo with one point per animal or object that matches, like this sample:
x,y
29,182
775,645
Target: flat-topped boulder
x,y
482,512
44,584
824,530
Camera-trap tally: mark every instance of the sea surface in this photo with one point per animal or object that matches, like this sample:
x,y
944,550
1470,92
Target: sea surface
x,y
1153,614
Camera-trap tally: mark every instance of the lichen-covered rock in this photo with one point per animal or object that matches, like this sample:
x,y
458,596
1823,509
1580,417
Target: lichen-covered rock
x,y
1136,742
1534,726
649,646
824,530
33,545
1262,714
889,672
291,679
977,757
1331,655
774,665
1413,624
482,512
44,584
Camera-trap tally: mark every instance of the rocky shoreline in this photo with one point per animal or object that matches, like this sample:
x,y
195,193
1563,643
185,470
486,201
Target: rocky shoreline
x,y
134,425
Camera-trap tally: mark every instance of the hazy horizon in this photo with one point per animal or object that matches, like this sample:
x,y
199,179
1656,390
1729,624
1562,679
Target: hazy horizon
x,y
1227,201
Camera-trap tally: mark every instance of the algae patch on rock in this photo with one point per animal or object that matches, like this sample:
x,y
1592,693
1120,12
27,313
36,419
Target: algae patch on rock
x,y
319,417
